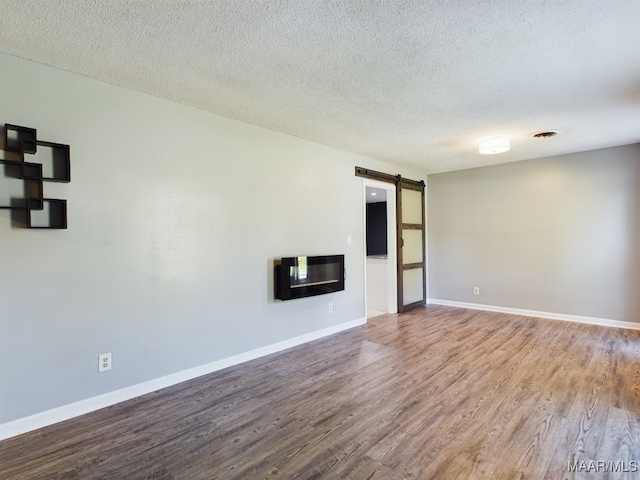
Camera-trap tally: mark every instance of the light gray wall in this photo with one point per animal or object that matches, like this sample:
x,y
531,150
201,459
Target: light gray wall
x,y
558,234
175,219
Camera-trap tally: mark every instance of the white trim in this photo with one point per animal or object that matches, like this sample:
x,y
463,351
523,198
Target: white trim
x,y
65,412
604,322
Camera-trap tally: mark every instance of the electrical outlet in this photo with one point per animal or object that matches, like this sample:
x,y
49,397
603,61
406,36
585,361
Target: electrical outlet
x,y
331,308
104,362
476,290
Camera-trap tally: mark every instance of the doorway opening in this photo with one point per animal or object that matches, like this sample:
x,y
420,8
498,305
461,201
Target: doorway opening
x,y
409,239
380,248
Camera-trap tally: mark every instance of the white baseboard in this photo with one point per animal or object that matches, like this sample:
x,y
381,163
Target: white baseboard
x,y
65,412
534,313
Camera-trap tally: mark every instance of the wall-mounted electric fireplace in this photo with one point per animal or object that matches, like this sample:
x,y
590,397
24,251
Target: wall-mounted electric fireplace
x,y
298,277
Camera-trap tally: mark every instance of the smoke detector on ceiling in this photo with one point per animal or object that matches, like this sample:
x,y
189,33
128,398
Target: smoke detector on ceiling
x,y
545,134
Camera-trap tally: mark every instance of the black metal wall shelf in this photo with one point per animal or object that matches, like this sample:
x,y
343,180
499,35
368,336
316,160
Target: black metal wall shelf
x,y
55,213
60,158
20,139
24,140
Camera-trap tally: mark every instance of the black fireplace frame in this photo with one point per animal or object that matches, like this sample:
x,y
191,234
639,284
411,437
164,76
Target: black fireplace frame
x,y
323,274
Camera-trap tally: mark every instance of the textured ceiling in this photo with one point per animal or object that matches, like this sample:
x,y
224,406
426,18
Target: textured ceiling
x,y
413,82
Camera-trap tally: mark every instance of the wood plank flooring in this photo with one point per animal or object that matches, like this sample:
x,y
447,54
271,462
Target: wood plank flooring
x,y
437,393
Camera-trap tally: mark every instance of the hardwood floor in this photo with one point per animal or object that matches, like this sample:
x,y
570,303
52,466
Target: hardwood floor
x,y
438,393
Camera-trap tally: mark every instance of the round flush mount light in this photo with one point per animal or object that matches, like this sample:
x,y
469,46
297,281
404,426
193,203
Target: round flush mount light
x,y
545,134
493,145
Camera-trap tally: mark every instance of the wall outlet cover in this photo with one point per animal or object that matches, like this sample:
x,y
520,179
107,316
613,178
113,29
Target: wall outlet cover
x,y
104,362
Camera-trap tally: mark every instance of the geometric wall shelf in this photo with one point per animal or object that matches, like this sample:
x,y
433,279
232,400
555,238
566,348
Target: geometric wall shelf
x,y
19,139
53,214
33,194
40,212
60,164
31,171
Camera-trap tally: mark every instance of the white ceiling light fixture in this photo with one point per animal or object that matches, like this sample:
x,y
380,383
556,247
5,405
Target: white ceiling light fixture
x,y
493,145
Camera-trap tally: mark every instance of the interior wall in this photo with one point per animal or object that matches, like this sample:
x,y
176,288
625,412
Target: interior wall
x,y
558,234
175,219
377,274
